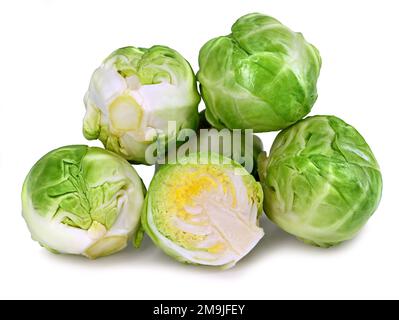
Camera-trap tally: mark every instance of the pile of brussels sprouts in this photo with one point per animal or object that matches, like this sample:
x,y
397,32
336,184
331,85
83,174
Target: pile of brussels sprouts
x,y
320,181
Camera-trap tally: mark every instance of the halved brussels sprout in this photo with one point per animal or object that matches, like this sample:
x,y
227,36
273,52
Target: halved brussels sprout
x,y
262,76
82,200
204,211
134,94
321,181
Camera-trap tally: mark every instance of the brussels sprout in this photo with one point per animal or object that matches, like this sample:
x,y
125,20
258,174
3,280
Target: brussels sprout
x,y
134,94
321,181
82,200
204,210
262,76
243,147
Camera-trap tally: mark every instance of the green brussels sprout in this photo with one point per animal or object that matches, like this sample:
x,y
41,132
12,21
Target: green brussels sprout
x,y
204,210
243,147
83,200
134,94
321,181
262,76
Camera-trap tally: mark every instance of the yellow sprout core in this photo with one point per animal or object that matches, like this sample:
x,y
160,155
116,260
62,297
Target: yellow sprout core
x,y
183,213
125,114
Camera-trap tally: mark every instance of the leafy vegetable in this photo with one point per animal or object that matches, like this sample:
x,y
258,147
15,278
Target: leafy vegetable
x,y
133,95
262,76
204,210
82,200
321,181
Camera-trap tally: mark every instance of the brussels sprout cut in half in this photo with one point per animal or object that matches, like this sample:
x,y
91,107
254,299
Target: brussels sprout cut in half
x,y
262,76
321,181
82,200
133,95
204,210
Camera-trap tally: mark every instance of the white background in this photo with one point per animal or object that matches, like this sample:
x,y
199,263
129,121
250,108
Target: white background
x,y
48,50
